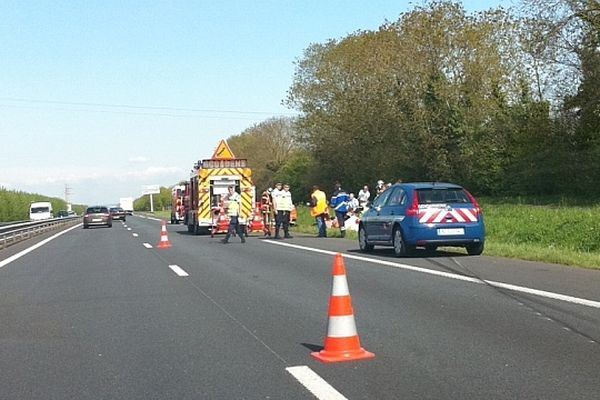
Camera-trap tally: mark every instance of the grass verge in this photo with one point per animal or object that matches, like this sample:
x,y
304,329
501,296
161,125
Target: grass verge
x,y
553,233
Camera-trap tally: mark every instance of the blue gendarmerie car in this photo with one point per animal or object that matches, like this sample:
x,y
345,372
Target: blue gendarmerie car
x,y
423,214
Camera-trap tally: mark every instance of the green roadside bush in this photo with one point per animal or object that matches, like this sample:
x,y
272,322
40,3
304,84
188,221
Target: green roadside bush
x,y
561,234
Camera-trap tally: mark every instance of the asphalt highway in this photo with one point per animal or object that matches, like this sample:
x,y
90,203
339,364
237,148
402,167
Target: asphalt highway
x,y
96,314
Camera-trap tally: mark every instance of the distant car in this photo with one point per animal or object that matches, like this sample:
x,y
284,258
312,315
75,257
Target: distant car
x,y
410,215
97,215
62,214
118,213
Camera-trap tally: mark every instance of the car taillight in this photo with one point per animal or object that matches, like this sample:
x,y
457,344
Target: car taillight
x,y
475,203
413,210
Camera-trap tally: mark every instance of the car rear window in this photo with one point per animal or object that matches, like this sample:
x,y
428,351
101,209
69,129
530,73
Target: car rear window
x,y
442,196
96,210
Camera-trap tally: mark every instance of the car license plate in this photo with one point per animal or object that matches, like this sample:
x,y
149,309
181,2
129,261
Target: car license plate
x,y
450,231
97,220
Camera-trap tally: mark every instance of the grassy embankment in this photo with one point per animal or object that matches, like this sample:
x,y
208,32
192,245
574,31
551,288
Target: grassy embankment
x,y
559,233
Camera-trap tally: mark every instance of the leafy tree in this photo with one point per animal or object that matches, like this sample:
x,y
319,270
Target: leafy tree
x,y
423,98
297,172
267,146
565,35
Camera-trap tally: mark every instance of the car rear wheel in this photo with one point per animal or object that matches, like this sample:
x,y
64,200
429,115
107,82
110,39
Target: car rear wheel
x,y
400,247
364,245
475,249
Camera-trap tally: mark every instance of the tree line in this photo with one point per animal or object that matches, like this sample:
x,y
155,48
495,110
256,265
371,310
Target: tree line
x,y
14,204
503,101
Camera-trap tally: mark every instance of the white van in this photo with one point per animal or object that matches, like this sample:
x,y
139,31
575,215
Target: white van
x,y
40,210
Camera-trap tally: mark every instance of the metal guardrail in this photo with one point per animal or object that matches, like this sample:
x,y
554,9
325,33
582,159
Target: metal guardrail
x,y
11,234
5,224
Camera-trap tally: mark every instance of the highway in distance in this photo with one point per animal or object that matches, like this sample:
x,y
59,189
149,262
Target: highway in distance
x,y
102,313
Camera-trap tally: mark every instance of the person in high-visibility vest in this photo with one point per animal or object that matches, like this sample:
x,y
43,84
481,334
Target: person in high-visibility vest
x,y
233,212
319,210
283,206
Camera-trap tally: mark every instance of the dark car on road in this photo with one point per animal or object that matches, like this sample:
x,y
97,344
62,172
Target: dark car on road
x,y
117,213
426,214
62,214
97,215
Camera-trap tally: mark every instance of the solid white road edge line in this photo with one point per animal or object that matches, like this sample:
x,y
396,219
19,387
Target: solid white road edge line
x,y
35,246
314,383
147,245
501,285
178,270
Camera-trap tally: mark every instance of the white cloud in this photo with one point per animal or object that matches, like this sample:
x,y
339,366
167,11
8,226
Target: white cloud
x,y
48,175
138,159
89,184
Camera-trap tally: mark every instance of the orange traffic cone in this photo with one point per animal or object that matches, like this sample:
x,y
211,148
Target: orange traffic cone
x,y
164,238
342,342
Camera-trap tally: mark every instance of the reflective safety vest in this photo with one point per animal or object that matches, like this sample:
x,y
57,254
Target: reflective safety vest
x,y
283,202
233,209
321,203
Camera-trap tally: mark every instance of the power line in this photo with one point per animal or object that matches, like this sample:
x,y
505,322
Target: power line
x,y
154,114
129,106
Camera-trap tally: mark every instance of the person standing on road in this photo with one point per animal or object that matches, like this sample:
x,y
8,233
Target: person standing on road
x,y
380,187
274,196
233,212
363,197
353,205
318,202
283,205
266,209
339,203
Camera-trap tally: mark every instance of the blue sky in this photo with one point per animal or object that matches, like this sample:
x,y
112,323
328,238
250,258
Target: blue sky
x,y
108,96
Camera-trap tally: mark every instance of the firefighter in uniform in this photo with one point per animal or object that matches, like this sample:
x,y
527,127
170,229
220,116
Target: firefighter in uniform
x,y
266,209
283,205
233,212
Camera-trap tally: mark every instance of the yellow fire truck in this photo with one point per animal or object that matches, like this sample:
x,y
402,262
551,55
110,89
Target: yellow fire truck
x,y
206,195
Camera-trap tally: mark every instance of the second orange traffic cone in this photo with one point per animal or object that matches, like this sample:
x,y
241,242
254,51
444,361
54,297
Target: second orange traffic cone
x,y
164,237
342,342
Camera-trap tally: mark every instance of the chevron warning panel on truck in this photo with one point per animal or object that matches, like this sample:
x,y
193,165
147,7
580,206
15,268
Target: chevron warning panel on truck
x,y
207,208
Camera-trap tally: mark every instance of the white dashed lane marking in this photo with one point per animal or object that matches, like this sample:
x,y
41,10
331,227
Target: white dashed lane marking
x,y
147,245
315,384
178,270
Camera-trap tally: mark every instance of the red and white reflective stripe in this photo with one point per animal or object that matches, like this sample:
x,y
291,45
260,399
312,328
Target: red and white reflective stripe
x,y
342,326
340,286
429,216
